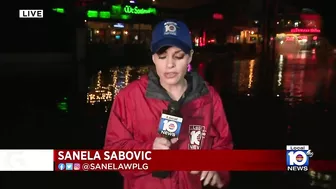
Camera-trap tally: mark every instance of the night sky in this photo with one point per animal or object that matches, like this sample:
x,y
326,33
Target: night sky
x,y
182,3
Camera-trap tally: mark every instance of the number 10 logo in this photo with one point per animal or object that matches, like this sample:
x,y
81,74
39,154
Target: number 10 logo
x,y
298,158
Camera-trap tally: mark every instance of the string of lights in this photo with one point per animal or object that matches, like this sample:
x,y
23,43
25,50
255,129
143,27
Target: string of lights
x,y
119,78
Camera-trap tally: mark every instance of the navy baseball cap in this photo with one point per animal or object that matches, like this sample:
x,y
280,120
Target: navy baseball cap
x,y
171,33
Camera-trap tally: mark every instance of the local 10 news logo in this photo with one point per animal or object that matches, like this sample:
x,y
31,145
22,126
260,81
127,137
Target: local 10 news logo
x,y
170,125
298,157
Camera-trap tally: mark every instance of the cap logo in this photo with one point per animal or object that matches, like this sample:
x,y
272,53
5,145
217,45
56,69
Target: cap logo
x,y
170,28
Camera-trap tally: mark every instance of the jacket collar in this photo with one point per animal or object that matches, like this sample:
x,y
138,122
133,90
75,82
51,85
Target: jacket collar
x,y
197,87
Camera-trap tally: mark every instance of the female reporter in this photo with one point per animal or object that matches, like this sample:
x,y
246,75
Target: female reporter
x,y
136,111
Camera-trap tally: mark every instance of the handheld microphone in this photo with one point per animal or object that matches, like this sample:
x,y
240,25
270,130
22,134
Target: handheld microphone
x,y
169,127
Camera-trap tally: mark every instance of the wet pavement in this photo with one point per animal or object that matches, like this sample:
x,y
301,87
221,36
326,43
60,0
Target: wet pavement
x,y
40,113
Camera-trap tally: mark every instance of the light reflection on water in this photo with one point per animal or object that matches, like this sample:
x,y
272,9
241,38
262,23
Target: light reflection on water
x,y
305,78
298,78
244,76
105,86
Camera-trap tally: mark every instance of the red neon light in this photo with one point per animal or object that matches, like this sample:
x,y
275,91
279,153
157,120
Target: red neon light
x,y
310,16
204,38
217,16
305,30
302,37
290,38
201,42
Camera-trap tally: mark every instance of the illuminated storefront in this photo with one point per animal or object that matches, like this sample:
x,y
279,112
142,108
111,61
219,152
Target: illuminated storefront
x,y
299,32
298,39
119,33
121,24
248,35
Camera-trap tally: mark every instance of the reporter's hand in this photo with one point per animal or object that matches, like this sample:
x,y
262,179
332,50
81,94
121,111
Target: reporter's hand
x,y
161,143
210,177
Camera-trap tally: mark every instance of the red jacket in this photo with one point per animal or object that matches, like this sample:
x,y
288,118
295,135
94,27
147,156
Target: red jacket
x,y
134,119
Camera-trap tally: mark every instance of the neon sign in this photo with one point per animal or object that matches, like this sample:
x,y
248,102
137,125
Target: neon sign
x,y
305,30
105,15
217,16
98,14
120,12
59,10
290,38
135,10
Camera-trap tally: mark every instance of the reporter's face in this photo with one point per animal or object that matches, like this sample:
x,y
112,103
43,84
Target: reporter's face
x,y
171,64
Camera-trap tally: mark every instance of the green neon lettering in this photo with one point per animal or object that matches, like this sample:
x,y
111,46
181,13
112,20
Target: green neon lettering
x,y
130,10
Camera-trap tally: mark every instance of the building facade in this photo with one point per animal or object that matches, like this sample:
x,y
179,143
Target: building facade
x,y
120,24
298,31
